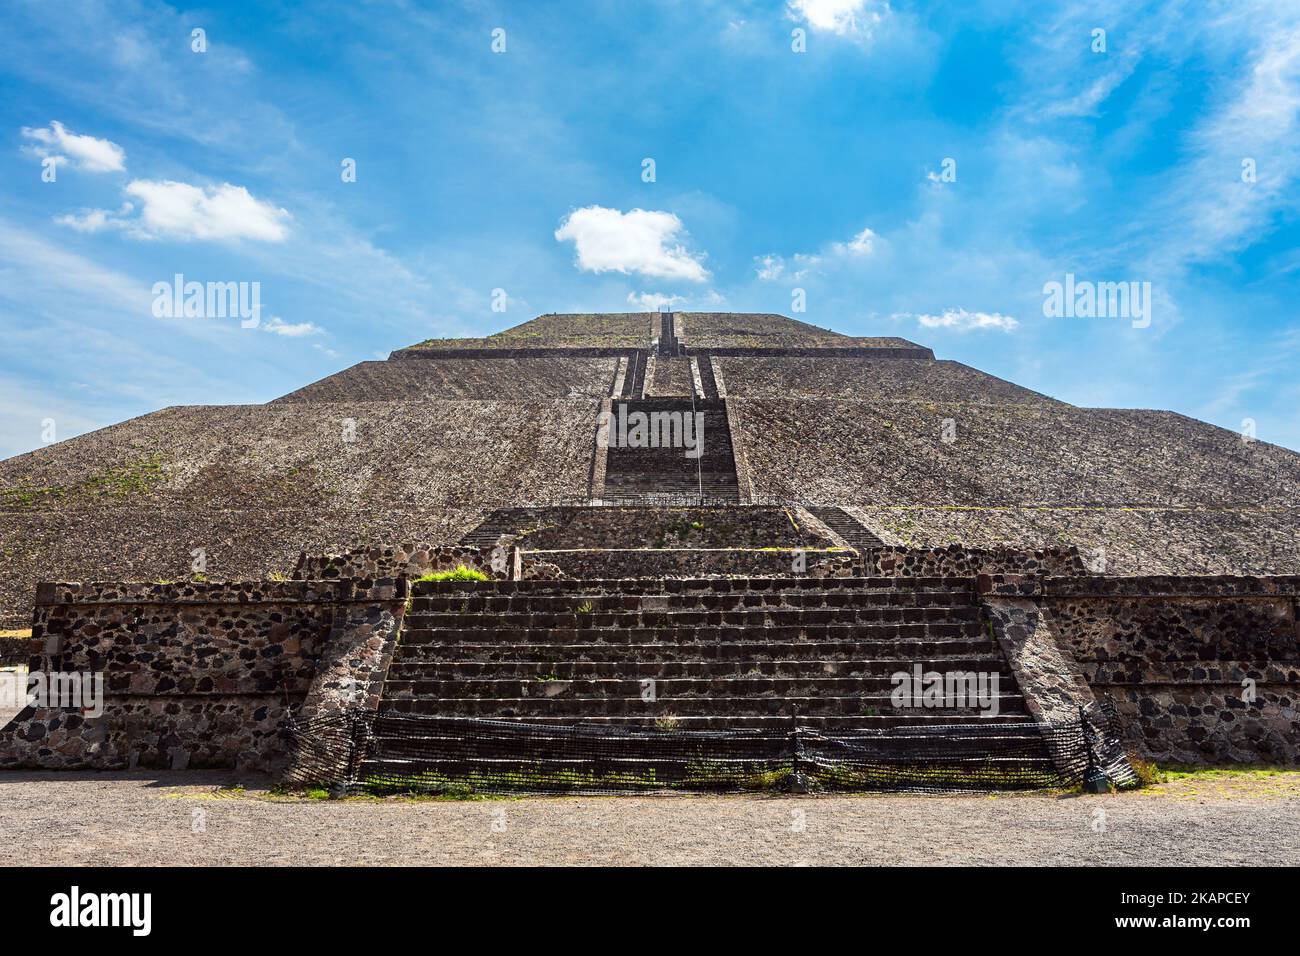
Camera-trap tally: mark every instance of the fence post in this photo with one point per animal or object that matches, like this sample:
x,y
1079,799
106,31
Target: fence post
x,y
1094,778
797,782
356,742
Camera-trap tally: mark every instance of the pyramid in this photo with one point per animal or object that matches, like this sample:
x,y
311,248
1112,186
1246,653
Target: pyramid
x,y
873,440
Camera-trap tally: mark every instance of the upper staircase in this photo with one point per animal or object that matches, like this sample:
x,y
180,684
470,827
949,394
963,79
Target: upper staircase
x,y
666,475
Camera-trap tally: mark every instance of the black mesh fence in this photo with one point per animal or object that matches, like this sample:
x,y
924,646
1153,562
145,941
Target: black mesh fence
x,y
368,753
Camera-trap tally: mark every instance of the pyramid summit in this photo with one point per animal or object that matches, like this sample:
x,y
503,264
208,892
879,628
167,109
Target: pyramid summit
x,y
905,450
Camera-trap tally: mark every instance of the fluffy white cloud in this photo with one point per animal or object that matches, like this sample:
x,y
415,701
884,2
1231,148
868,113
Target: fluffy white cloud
x,y
962,321
651,301
838,16
641,241
83,152
277,326
182,211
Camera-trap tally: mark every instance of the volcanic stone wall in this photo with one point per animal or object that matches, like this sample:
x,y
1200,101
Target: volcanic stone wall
x,y
391,561
1200,669
198,675
956,561
689,563
699,527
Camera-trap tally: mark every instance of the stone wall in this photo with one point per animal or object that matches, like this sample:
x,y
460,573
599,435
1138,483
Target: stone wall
x,y
689,563
200,675
391,561
651,527
1200,669
957,561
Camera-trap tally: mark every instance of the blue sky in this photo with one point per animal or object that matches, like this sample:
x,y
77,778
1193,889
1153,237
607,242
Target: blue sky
x,y
522,170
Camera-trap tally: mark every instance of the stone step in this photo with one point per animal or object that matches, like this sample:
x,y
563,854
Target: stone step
x,y
586,614
503,521
878,634
767,650
748,585
733,689
586,707
527,670
757,622
879,602
558,775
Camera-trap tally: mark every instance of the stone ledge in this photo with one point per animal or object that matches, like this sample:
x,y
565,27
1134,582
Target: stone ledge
x,y
350,590
1172,586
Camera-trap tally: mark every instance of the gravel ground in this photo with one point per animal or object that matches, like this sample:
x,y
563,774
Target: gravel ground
x,y
152,818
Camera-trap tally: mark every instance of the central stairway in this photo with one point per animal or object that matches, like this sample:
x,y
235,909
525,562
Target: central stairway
x,y
666,475
691,654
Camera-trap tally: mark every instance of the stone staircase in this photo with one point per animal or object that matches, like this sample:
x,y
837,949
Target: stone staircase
x,y
666,475
709,653
707,378
669,344
634,380
854,533
502,521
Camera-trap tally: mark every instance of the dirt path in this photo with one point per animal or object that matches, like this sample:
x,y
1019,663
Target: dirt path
x,y
183,818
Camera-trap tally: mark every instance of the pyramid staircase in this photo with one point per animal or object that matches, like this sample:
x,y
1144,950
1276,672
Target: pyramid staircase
x,y
666,475
669,344
502,521
634,380
707,378
855,534
692,654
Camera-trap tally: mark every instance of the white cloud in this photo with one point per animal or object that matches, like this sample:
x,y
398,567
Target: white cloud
x,y
96,220
838,16
651,301
82,152
277,326
859,245
962,321
641,241
771,267
181,211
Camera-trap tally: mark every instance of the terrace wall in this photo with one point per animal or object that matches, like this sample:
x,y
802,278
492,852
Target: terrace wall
x,y
1200,669
201,675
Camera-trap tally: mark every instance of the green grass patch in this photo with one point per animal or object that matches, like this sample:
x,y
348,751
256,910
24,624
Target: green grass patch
x,y
1151,773
459,573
